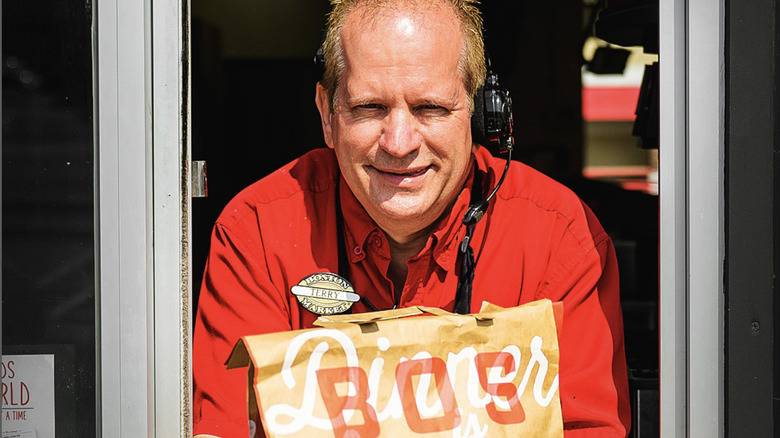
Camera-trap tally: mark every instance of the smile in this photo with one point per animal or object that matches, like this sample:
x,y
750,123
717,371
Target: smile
x,y
402,177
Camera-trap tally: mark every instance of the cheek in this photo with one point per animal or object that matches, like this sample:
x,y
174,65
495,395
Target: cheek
x,y
356,137
451,140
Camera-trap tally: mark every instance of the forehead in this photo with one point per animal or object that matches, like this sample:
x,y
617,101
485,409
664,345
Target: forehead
x,y
396,37
373,11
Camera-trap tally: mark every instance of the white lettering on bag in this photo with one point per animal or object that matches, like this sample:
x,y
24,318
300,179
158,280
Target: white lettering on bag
x,y
393,408
472,429
305,415
495,376
297,418
538,356
422,391
469,354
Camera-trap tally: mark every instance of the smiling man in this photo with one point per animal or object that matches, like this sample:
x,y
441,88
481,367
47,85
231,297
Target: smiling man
x,y
399,122
382,208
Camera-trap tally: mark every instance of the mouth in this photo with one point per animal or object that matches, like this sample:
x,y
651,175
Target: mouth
x,y
402,176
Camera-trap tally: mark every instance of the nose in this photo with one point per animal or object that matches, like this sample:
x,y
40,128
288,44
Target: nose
x,y
400,133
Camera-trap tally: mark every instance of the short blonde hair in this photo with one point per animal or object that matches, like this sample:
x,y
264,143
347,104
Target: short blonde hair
x,y
472,59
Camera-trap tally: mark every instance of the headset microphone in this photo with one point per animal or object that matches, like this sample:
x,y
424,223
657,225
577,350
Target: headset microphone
x,y
491,126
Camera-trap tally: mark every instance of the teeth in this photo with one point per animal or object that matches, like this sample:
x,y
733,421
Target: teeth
x,y
407,173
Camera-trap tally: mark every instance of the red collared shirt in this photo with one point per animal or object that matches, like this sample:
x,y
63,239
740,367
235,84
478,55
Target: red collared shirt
x,y
537,240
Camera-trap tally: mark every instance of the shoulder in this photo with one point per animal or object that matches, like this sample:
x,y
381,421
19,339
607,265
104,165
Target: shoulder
x,y
537,200
315,172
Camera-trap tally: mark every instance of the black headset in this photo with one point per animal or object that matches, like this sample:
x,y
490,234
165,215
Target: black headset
x,y
491,127
491,121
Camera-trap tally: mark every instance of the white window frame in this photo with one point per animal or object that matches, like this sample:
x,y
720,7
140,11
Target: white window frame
x,y
142,130
691,152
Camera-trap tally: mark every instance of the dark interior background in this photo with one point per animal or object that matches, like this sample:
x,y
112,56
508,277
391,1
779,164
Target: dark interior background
x,y
253,110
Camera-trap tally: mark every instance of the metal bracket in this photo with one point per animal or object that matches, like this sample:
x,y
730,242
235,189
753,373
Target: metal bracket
x,y
200,188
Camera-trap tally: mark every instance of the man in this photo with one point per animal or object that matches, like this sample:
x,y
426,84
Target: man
x,y
400,172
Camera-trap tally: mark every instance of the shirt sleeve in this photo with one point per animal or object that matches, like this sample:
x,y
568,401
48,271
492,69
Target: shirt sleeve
x,y
236,299
593,375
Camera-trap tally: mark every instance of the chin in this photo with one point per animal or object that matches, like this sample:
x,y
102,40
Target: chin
x,y
405,209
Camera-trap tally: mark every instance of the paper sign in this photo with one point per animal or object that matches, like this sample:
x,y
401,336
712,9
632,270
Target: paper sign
x,y
28,396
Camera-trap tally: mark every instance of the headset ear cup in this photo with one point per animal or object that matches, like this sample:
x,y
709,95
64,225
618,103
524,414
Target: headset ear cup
x,y
478,130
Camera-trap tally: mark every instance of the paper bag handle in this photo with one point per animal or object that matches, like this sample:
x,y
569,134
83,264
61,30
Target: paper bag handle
x,y
485,313
382,315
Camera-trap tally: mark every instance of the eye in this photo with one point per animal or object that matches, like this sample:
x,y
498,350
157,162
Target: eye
x,y
432,110
367,109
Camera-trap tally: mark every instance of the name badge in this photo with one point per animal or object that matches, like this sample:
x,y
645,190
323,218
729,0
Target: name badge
x,y
325,294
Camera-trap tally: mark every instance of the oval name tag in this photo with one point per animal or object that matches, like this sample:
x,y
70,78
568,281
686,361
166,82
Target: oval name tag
x,y
325,293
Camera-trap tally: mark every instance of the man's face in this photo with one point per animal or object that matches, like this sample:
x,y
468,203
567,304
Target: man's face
x,y
401,124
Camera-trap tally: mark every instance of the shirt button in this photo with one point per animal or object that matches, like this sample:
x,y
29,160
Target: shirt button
x,y
377,242
358,250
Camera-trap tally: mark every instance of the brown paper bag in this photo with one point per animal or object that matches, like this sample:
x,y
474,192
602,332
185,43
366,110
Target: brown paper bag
x,y
492,374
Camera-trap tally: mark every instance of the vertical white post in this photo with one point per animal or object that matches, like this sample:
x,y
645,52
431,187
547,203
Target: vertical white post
x,y
691,218
706,254
143,200
673,227
172,299
122,112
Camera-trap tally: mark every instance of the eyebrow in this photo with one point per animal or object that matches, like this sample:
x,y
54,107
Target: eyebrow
x,y
447,103
352,102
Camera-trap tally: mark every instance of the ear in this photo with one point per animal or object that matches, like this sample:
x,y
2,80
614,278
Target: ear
x,y
322,101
